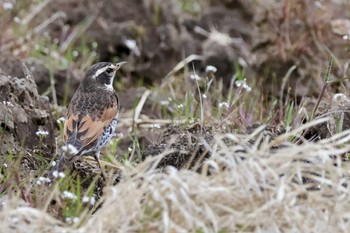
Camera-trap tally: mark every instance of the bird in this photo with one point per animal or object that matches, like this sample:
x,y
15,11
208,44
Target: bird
x,y
91,117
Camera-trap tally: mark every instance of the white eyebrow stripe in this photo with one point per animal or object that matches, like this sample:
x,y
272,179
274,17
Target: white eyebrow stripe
x,y
100,71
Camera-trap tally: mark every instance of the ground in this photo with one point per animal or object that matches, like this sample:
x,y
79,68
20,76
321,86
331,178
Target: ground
x,y
234,115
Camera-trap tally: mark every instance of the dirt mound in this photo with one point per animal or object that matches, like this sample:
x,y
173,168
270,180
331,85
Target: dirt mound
x,y
25,116
182,147
298,38
152,34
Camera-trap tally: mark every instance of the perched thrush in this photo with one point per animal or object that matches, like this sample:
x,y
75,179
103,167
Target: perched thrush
x,y
92,115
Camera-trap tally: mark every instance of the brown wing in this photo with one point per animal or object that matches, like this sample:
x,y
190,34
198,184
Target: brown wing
x,y
81,131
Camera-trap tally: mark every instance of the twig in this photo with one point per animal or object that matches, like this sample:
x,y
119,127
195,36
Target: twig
x,y
47,22
34,12
180,65
78,31
326,82
140,105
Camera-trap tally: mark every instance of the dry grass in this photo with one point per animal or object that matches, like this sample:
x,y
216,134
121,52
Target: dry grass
x,y
252,187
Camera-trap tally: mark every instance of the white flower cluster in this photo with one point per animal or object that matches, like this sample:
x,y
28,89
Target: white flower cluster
x,y
180,106
57,174
69,195
223,105
42,180
7,103
70,149
71,220
7,5
90,200
210,69
61,120
195,77
164,102
243,84
42,133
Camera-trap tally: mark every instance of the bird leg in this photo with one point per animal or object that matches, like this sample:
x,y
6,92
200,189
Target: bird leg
x,y
97,158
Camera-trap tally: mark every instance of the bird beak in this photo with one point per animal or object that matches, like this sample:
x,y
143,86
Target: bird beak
x,y
120,65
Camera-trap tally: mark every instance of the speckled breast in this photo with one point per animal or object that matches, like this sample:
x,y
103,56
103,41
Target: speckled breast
x,y
108,133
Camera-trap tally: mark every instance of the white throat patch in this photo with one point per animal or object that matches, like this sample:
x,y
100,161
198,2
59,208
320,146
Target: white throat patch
x,y
110,86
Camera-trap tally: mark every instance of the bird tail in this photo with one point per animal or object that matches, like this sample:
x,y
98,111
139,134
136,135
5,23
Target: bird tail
x,y
58,167
67,155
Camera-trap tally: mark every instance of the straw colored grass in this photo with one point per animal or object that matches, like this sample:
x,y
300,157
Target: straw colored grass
x,y
246,186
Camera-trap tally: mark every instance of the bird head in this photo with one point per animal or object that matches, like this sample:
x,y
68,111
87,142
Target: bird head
x,y
100,75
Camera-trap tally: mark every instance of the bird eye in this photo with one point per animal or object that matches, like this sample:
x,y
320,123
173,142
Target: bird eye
x,y
109,70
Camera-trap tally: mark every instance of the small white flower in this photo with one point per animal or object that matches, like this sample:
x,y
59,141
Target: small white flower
x,y
346,37
70,149
85,199
55,55
129,149
223,105
204,96
55,174
92,200
53,163
180,106
75,53
69,195
195,77
7,5
61,175
5,165
17,20
61,120
156,126
42,133
132,45
210,69
238,83
248,88
164,102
